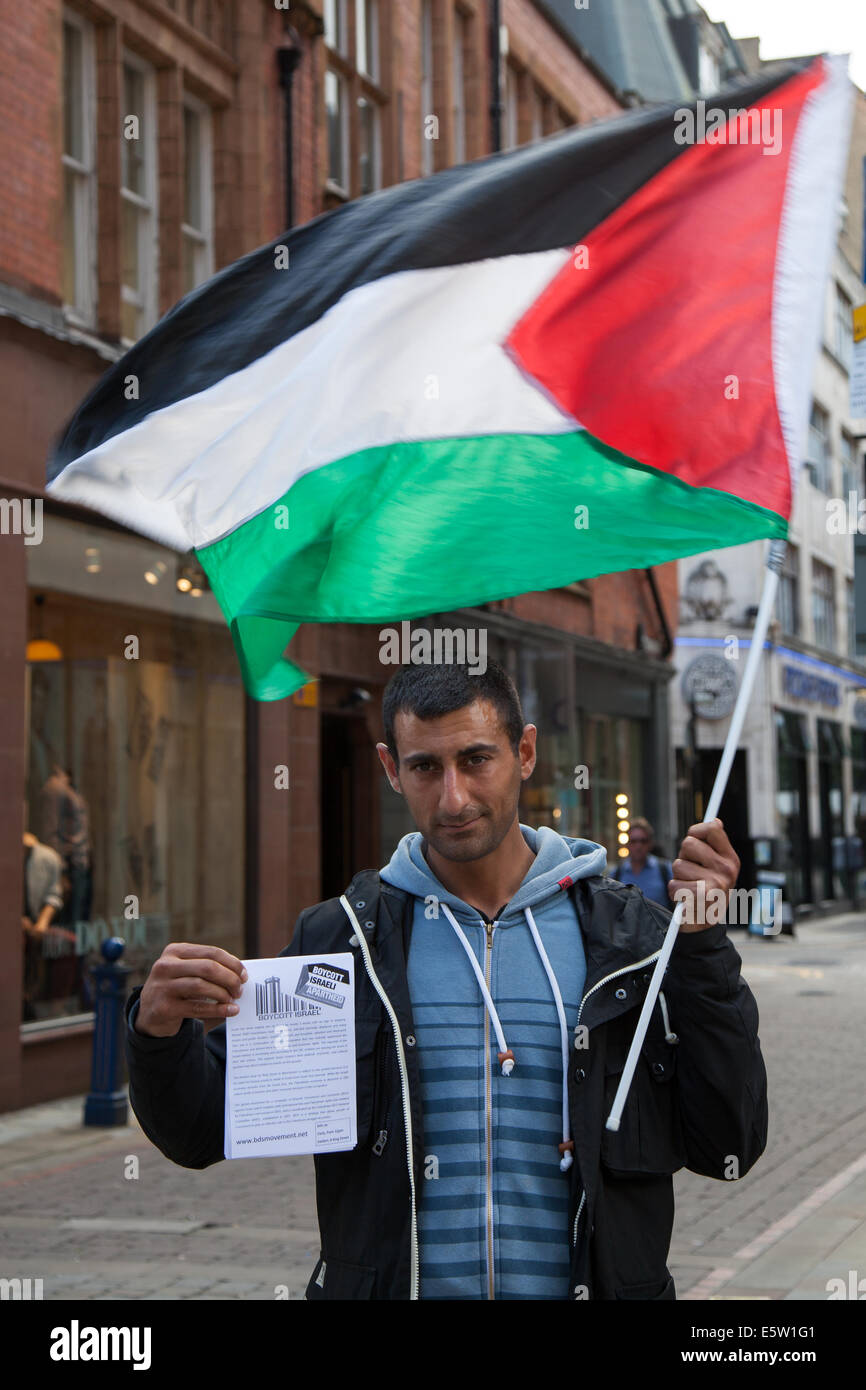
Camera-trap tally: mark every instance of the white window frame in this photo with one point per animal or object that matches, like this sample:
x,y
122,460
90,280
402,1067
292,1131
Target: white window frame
x,y
83,311
337,10
362,9
341,185
201,237
511,96
427,157
146,302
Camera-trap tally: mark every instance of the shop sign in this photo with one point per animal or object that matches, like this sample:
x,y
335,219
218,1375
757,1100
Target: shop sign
x,y
802,685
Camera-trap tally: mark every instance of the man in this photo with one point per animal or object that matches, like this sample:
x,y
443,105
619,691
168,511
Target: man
x,y
651,875
499,981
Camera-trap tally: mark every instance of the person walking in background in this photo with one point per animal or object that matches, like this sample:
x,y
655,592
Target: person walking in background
x,y
651,874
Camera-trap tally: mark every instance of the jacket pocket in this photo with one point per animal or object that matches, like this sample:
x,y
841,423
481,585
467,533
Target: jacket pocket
x,y
367,1079
649,1139
657,1290
338,1279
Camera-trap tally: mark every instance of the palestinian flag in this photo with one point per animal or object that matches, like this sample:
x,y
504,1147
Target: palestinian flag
x,y
585,355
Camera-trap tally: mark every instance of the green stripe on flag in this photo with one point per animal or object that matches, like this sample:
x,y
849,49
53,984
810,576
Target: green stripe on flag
x,y
404,530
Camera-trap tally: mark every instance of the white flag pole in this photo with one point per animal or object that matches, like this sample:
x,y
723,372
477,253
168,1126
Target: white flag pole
x,y
775,560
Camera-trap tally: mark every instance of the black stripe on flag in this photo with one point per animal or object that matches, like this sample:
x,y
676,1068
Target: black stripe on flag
x,y
535,198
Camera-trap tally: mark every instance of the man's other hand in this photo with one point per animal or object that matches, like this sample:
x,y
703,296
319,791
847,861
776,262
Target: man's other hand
x,y
188,981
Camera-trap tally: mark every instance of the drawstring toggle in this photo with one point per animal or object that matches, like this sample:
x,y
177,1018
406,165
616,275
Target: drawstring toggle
x,y
507,1061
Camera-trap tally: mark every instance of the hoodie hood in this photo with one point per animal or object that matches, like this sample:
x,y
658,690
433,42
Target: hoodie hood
x,y
559,860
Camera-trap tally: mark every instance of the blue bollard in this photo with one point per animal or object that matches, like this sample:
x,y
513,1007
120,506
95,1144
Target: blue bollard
x,y
107,1103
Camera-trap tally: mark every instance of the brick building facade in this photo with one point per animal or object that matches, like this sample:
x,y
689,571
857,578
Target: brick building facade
x,y
145,144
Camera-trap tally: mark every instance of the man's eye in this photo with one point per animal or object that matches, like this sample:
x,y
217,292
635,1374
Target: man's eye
x,y
479,758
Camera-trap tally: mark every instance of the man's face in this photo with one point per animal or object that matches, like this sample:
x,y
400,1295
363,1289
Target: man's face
x,y
638,845
460,777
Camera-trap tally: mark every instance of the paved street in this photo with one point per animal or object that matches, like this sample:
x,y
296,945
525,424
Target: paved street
x,y
69,1216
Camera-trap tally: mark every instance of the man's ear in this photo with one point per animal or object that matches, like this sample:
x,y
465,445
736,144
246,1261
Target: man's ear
x,y
388,763
527,751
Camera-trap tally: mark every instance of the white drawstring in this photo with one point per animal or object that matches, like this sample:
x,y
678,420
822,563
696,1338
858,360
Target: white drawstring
x,y
566,1148
506,1056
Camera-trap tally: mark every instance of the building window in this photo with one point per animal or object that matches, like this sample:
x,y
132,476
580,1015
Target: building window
x,y
197,226
79,170
511,98
843,329
458,81
851,616
823,606
336,29
367,38
850,472
370,145
428,122
708,71
138,200
337,111
819,458
788,594
536,113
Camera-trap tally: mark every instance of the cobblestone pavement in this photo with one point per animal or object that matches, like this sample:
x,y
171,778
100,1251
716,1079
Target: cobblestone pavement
x,y
70,1216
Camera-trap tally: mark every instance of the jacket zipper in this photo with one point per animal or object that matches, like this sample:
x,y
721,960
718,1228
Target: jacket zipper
x,y
489,928
404,1087
624,970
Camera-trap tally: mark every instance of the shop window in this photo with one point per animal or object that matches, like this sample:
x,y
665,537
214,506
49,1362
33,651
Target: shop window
x,y
79,170
792,805
135,780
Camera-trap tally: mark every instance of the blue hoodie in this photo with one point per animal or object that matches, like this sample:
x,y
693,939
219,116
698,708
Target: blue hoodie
x,y
493,1210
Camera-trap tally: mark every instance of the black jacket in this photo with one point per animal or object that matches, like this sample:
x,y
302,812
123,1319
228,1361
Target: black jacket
x,y
699,1102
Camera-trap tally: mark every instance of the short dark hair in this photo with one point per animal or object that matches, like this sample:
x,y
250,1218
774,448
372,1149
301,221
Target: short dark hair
x,y
429,691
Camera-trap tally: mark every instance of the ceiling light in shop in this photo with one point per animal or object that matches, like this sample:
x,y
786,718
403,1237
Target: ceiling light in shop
x,y
92,562
156,572
623,853
621,799
623,839
191,578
